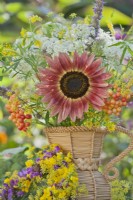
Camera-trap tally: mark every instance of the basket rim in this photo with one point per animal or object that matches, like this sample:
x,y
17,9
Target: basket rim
x,y
74,129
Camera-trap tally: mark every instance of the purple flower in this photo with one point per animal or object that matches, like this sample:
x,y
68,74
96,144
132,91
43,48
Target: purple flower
x,y
65,163
120,36
57,149
29,170
4,192
20,193
56,167
48,155
97,15
130,104
34,174
10,194
13,183
38,159
22,173
5,185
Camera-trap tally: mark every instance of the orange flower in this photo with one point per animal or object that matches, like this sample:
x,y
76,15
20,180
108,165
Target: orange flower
x,y
3,137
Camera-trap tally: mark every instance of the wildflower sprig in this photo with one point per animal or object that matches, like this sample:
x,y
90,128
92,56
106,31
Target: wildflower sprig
x,y
50,174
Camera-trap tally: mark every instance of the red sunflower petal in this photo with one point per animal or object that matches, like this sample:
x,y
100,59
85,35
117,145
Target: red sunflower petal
x,y
73,111
65,61
103,76
101,92
94,99
90,60
99,84
93,68
66,108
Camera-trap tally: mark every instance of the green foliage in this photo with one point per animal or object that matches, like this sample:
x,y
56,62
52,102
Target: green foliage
x,y
10,162
119,189
111,14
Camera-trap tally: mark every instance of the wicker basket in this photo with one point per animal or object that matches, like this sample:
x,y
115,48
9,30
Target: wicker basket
x,y
86,145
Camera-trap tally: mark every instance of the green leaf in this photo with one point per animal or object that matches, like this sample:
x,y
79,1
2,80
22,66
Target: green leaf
x,y
129,50
123,54
116,44
23,16
13,7
1,77
47,117
65,3
13,150
111,15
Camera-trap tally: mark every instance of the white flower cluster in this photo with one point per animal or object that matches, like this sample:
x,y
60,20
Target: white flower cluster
x,y
67,37
54,37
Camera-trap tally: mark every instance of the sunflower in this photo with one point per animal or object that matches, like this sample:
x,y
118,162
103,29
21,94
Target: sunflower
x,y
69,86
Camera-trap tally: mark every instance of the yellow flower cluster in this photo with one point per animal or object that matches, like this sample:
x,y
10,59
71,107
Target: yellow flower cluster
x,y
62,177
98,119
35,18
29,163
23,32
49,175
7,50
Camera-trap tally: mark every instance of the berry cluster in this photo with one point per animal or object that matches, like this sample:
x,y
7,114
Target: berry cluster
x,y
21,120
115,102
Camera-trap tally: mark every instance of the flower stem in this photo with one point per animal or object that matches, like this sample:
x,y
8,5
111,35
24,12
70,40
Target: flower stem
x,y
98,8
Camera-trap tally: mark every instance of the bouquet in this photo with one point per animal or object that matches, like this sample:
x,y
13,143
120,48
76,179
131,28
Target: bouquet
x,y
66,73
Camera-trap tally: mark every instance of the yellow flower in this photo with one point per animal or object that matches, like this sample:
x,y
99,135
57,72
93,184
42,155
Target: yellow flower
x,y
38,43
23,32
25,185
3,137
74,179
47,194
7,180
62,194
111,126
111,28
29,163
35,18
68,158
8,51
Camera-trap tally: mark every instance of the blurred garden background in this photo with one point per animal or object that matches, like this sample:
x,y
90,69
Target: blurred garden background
x,y
13,17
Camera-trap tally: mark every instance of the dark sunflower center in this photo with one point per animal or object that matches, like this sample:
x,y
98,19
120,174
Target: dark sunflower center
x,y
74,84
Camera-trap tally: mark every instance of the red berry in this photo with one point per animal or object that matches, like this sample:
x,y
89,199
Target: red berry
x,y
28,116
27,124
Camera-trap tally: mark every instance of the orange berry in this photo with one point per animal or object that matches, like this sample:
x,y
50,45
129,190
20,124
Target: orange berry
x,y
21,112
109,112
118,89
117,114
114,110
124,103
115,86
118,94
112,101
128,96
110,92
119,109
